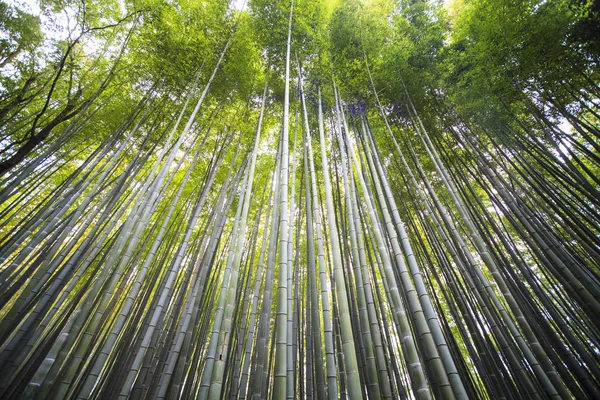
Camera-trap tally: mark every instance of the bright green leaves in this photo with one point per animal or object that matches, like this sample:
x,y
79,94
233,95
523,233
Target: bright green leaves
x,y
359,33
176,39
241,74
523,44
270,28
20,33
309,29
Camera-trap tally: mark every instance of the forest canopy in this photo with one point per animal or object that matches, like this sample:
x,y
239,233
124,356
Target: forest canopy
x,y
300,199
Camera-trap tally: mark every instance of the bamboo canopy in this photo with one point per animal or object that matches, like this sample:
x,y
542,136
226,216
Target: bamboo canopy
x,y
298,199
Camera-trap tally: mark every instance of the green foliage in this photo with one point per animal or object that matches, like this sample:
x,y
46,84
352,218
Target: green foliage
x,y
524,46
20,32
176,39
359,33
466,104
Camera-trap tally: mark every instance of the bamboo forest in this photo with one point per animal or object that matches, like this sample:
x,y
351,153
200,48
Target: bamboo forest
x,y
299,199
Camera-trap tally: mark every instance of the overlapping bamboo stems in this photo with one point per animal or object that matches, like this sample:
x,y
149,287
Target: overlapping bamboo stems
x,y
146,201
306,329
218,318
410,351
421,308
422,251
550,307
557,256
290,367
313,223
372,332
137,362
60,308
127,241
555,179
385,311
544,209
167,287
42,267
475,276
450,246
347,337
280,372
249,340
390,340
525,237
566,154
70,263
179,343
429,313
243,310
579,222
258,376
479,285
546,372
128,303
374,355
331,373
230,279
549,339
297,350
51,292
539,231
348,269
210,266
34,220
45,224
211,263
457,256
313,329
